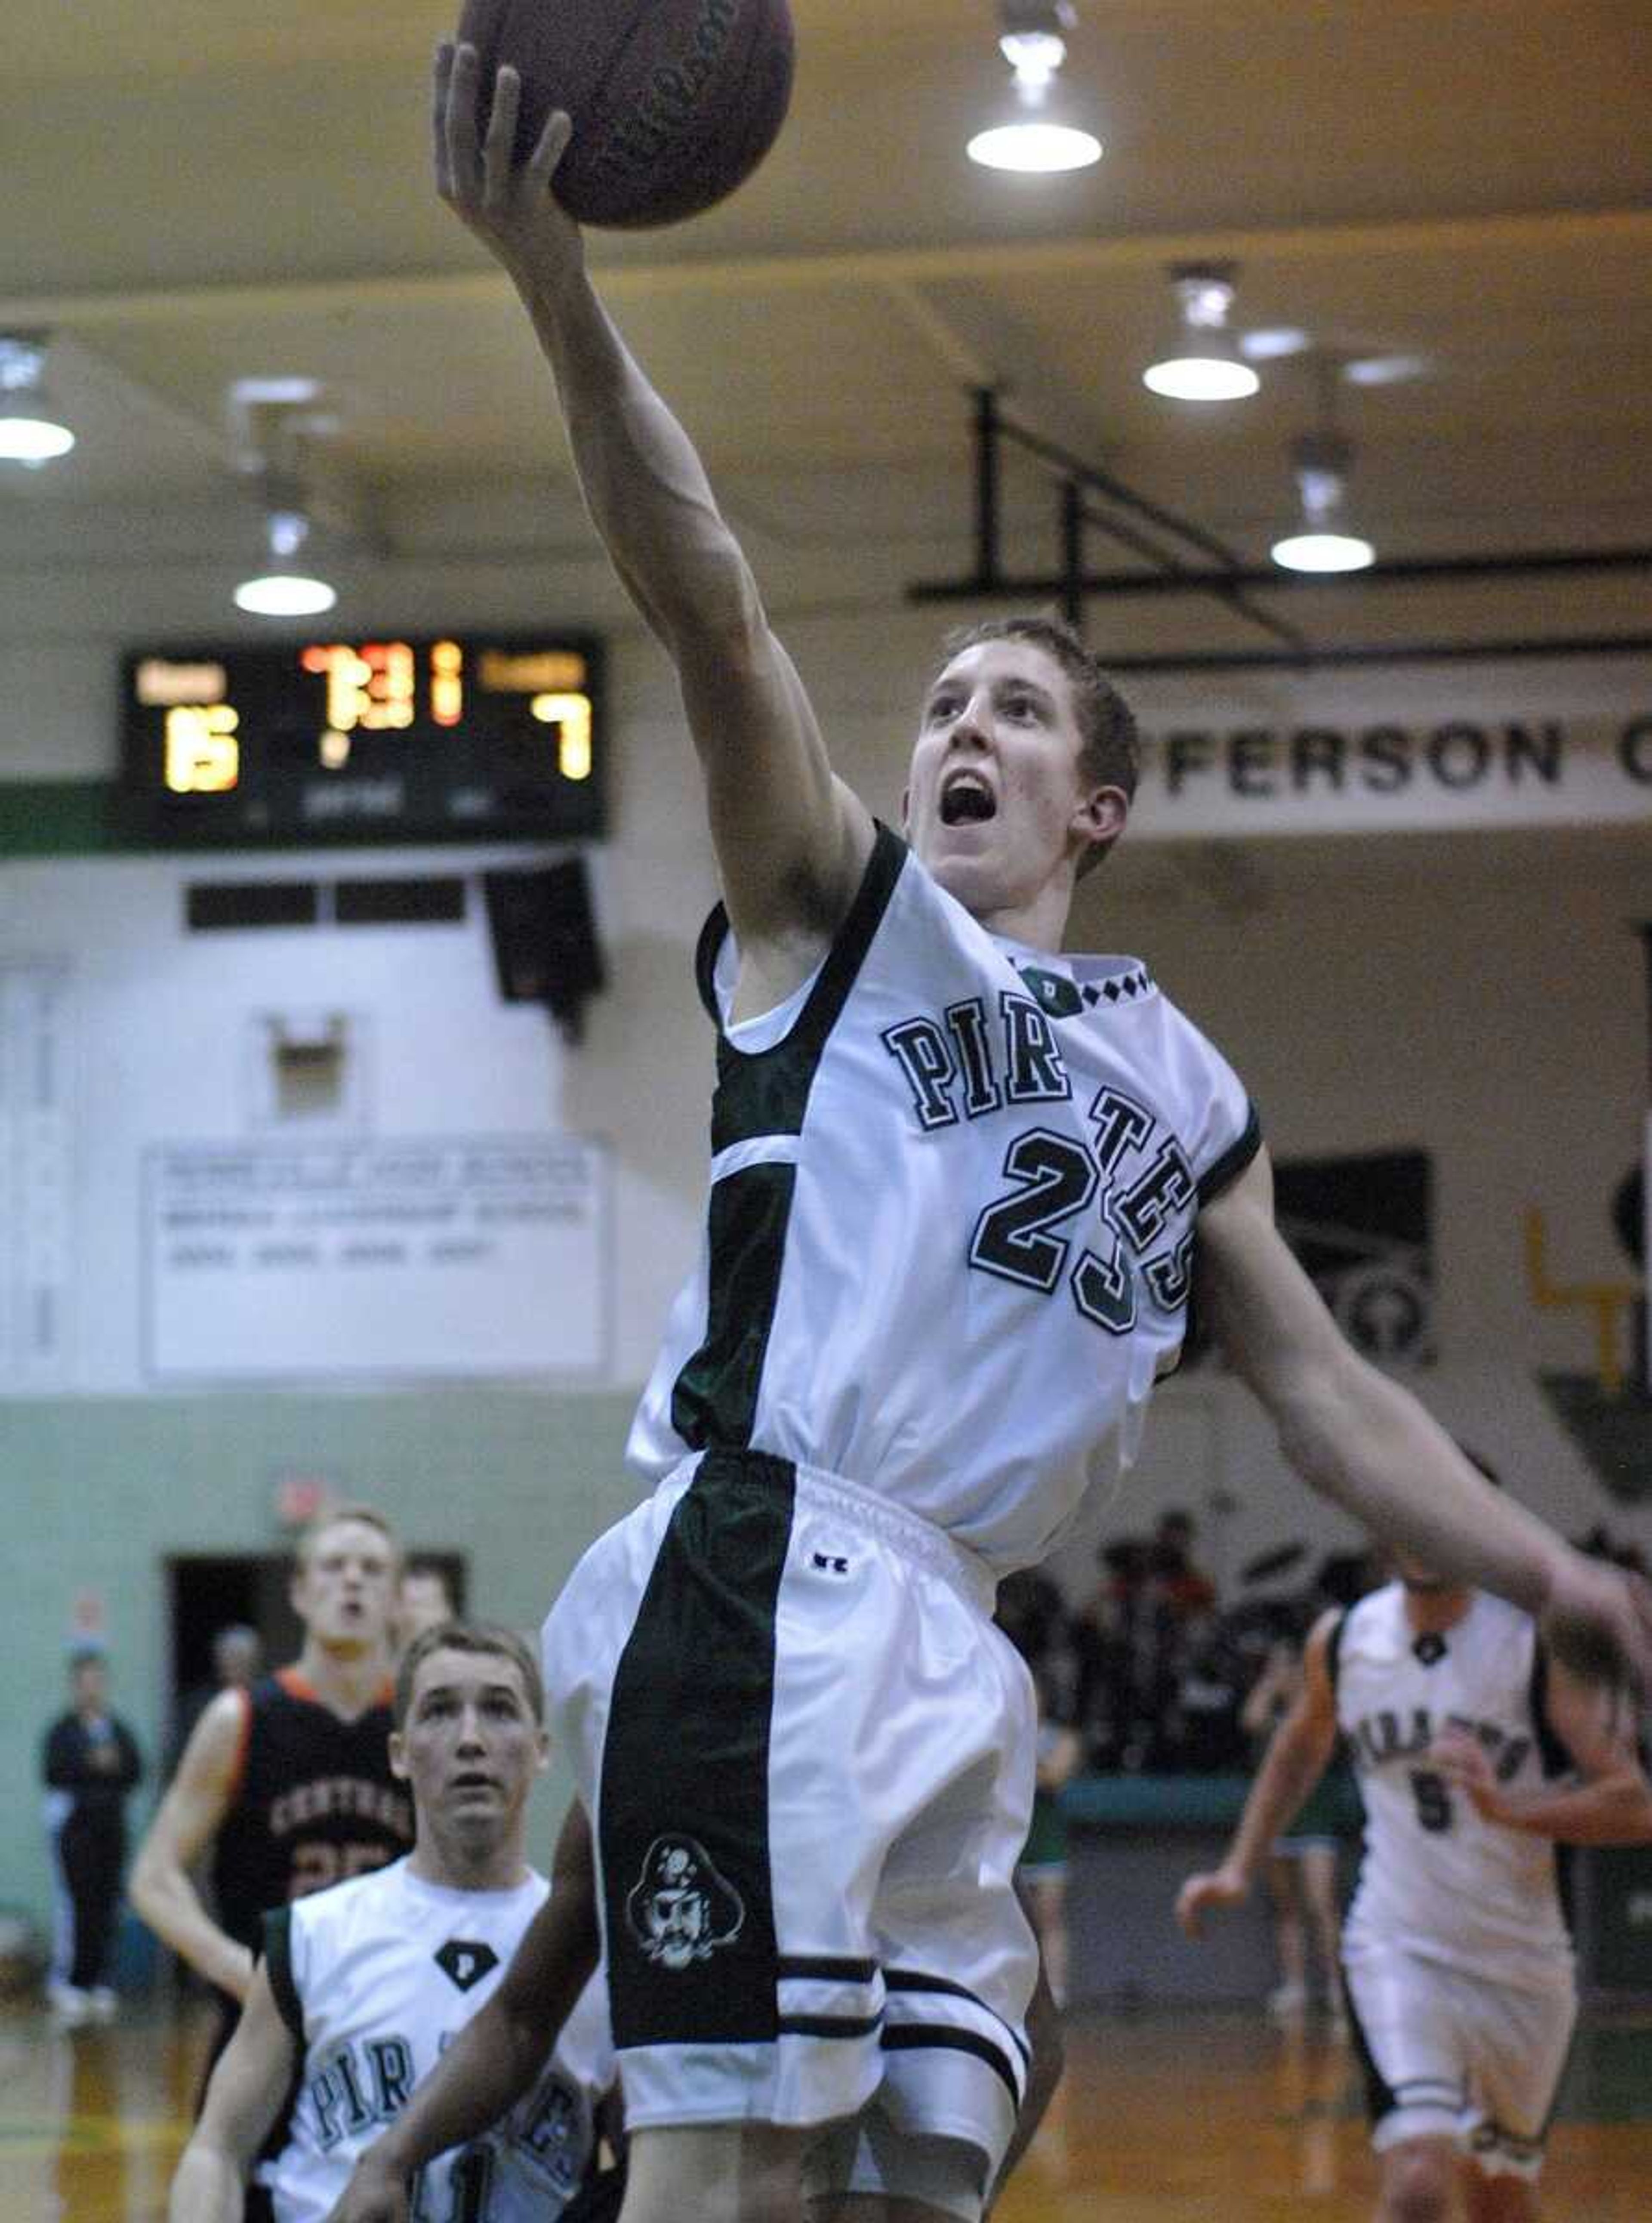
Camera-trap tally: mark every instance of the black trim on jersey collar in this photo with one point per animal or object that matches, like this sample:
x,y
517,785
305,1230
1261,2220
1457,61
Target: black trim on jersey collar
x,y
1334,1647
1228,1167
882,870
766,1092
1118,987
711,935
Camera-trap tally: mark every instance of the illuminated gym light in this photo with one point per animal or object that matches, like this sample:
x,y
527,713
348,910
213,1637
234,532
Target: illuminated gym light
x,y
31,433
1033,139
285,594
1273,343
1037,148
1202,363
1323,552
1321,462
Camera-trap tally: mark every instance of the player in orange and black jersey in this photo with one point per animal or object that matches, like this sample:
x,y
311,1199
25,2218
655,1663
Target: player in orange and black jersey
x,y
314,1803
288,1783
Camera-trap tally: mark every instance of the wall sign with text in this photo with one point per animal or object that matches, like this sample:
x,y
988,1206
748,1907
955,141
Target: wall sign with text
x,y
484,1258
1288,774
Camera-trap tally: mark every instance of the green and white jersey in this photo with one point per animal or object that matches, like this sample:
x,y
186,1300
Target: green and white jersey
x,y
375,1978
949,1244
1435,1879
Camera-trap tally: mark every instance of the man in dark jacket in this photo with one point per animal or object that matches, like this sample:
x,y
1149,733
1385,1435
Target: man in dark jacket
x,y
90,1761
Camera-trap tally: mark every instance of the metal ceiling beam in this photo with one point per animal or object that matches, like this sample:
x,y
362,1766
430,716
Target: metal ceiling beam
x,y
1123,522
1398,571
1562,647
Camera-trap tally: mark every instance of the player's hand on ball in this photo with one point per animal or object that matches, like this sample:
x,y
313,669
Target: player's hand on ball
x,y
372,2195
1599,1623
1217,1887
1460,1759
511,207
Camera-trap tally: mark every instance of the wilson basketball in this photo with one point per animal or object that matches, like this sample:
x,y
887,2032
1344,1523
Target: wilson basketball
x,y
673,102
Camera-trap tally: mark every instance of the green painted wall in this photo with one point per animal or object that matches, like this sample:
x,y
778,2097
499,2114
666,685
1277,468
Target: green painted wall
x,y
98,1492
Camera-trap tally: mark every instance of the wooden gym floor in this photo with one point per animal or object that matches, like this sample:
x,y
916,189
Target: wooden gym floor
x,y
1207,2117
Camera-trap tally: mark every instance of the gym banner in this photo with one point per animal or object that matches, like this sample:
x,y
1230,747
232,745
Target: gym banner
x,y
1226,772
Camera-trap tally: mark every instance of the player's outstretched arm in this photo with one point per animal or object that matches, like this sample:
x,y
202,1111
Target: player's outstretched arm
x,y
1608,1801
1361,1441
792,841
1297,1754
501,2050
188,1818
242,2101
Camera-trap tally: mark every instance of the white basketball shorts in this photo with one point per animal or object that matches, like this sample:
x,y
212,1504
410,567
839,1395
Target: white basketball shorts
x,y
808,1758
1448,2053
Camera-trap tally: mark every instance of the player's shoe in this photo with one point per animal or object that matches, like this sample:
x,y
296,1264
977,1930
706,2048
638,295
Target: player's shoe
x,y
70,2006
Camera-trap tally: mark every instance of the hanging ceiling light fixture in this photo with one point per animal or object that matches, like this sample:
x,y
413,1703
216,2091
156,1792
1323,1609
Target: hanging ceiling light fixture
x,y
1035,138
283,591
1321,462
1202,363
272,422
31,433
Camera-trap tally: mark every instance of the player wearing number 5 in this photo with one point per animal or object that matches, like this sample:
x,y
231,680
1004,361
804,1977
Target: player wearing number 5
x,y
288,1783
1476,1752
361,1989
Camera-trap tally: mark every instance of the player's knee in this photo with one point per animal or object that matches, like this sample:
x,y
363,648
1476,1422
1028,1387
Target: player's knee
x,y
716,2173
1418,2183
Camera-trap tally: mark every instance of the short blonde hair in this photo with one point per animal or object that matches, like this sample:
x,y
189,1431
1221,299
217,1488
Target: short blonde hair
x,y
483,1638
334,1517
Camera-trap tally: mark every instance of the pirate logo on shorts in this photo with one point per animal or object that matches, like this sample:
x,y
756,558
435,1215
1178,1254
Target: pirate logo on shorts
x,y
680,1910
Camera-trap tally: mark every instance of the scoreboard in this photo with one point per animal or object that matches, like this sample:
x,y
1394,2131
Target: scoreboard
x,y
450,738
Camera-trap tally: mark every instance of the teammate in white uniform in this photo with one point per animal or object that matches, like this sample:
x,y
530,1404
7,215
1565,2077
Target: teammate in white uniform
x,y
362,1987
955,1180
1476,1754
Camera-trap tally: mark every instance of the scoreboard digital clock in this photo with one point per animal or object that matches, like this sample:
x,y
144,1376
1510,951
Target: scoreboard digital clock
x,y
445,739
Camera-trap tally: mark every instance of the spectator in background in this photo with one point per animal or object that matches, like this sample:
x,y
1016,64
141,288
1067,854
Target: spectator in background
x,y
90,1762
1202,1733
423,1600
237,1663
1123,1641
1030,1612
1184,1588
1042,1867
1302,1863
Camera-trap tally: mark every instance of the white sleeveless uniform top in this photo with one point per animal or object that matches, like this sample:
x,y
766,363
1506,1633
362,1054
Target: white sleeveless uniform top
x,y
375,1978
1435,1878
949,1241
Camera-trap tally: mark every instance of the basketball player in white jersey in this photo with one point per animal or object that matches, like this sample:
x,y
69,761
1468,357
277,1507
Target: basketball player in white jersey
x,y
949,1246
361,1988
1477,1753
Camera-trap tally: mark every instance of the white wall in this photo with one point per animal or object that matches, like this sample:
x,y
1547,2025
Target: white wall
x,y
1478,994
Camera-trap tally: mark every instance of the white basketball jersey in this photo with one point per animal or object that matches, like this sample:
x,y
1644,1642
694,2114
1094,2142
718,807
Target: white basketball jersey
x,y
1436,1878
376,1977
950,1235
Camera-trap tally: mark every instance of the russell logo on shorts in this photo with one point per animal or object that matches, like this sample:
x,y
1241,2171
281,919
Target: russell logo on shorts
x,y
680,1909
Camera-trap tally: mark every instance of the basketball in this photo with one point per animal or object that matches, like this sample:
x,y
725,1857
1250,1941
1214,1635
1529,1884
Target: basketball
x,y
674,102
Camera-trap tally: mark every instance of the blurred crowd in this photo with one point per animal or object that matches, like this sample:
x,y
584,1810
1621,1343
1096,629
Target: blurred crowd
x,y
1152,1671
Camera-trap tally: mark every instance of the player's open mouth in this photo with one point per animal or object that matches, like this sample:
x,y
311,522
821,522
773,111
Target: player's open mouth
x,y
965,799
